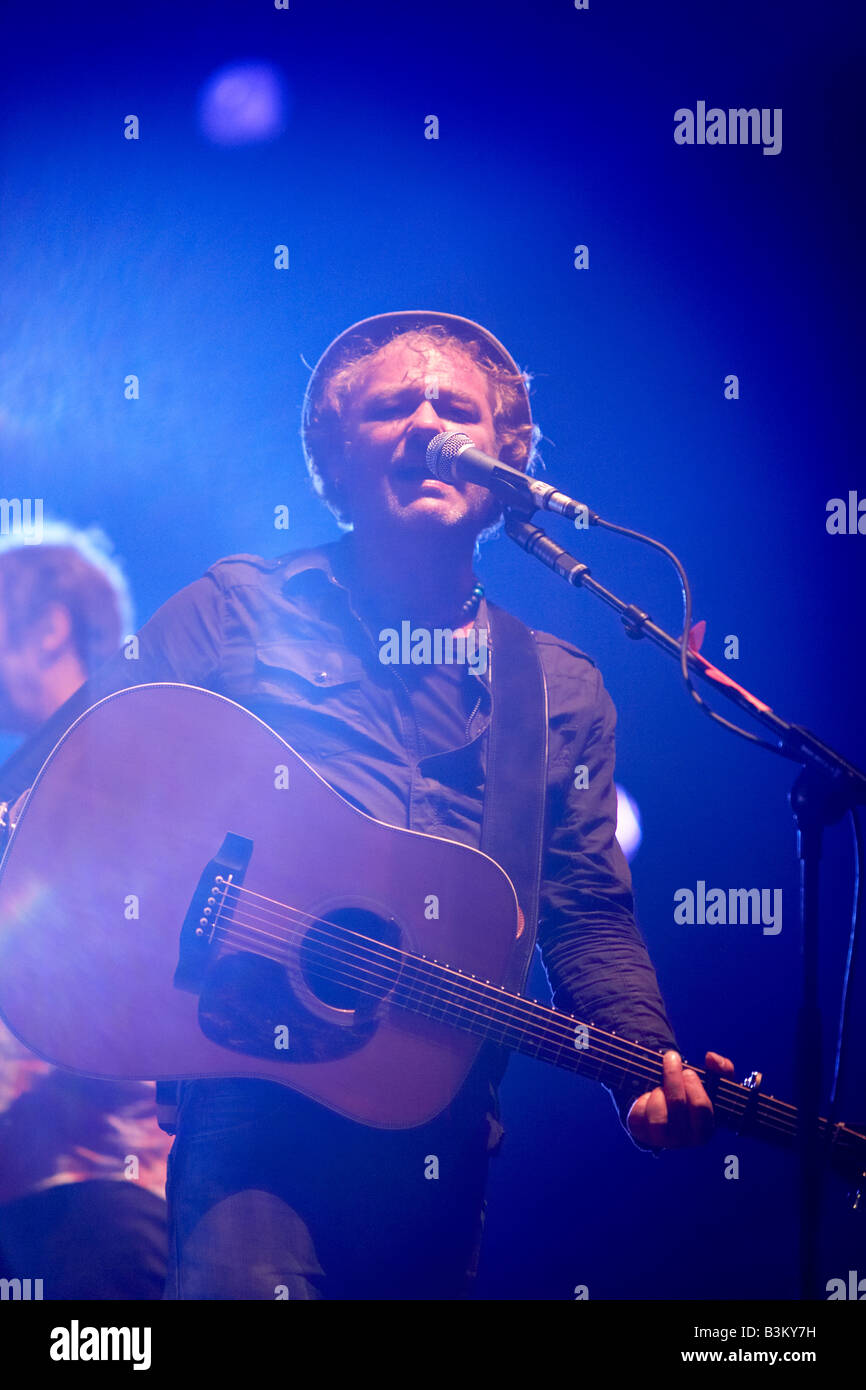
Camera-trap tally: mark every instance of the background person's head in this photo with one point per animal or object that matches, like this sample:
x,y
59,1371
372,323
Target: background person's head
x,y
64,610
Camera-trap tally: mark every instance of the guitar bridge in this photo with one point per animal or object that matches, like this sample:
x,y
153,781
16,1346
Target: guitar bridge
x,y
196,934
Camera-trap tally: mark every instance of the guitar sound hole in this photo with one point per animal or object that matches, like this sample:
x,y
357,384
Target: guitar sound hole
x,y
347,961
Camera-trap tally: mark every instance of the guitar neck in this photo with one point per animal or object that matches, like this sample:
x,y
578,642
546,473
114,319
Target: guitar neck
x,y
537,1030
447,995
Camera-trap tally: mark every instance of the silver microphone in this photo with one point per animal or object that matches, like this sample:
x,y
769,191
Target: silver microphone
x,y
452,457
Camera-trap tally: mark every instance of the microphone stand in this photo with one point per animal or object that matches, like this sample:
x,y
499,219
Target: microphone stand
x,y
827,787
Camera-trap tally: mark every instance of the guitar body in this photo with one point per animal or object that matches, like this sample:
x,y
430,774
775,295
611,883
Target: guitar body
x,y
110,849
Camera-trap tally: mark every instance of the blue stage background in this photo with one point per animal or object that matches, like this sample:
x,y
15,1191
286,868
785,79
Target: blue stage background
x,y
156,257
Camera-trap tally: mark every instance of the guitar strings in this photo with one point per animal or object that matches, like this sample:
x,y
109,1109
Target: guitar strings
x,y
402,990
737,1103
398,957
621,1050
589,1061
845,1141
617,1052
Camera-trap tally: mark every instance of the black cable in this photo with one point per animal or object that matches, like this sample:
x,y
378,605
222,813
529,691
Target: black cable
x,y
687,627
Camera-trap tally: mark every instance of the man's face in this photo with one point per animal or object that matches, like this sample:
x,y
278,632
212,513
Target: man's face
x,y
19,672
402,400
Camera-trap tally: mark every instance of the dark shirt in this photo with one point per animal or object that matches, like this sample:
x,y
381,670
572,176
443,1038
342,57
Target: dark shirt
x,y
407,745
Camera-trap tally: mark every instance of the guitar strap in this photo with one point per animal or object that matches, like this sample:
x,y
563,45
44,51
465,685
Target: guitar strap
x,y
512,827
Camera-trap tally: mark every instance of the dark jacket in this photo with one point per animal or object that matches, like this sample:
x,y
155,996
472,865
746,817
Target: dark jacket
x,y
408,747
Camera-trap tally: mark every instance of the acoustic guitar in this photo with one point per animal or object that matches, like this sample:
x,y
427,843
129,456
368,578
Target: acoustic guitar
x,y
183,896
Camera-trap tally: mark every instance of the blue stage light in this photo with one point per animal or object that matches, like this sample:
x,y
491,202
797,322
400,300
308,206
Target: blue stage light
x,y
628,823
244,103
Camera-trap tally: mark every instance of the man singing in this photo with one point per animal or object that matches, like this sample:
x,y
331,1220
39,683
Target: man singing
x,y
271,1195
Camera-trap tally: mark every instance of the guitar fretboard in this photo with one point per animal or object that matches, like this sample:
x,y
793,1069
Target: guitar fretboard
x,y
538,1030
447,995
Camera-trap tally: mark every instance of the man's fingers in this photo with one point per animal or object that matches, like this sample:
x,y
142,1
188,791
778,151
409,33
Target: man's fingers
x,y
679,1113
700,1108
716,1062
656,1119
672,1077
674,1090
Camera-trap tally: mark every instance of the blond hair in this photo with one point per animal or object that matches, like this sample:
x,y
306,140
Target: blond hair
x,y
324,432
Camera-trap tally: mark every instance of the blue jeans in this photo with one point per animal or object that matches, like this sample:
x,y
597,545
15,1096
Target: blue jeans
x,y
271,1196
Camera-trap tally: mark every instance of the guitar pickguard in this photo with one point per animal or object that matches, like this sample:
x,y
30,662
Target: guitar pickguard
x,y
247,1004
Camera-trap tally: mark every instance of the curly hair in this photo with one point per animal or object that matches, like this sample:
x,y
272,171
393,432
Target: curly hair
x,y
323,428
